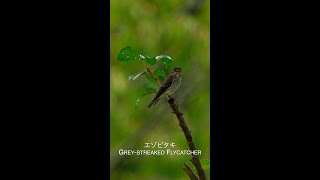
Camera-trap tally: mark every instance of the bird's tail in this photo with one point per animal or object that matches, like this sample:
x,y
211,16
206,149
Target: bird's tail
x,y
153,102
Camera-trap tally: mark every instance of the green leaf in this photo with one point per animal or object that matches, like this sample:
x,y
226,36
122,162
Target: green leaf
x,y
146,92
137,102
129,54
149,77
134,77
165,59
151,61
159,73
149,91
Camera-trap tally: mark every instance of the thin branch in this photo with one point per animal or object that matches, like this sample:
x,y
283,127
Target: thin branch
x,y
189,172
194,159
153,76
187,133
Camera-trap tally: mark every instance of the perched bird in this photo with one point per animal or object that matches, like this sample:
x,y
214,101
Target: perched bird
x,y
168,87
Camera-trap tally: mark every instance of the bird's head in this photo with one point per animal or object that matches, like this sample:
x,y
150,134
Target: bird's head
x,y
177,69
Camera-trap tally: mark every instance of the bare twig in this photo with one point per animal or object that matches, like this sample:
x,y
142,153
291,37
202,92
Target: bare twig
x,y
187,133
153,76
195,160
189,172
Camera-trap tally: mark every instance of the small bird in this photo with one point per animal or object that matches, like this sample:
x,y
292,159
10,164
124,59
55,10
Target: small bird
x,y
168,87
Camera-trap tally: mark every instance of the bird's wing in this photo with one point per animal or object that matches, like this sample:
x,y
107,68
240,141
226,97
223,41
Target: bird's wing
x,y
166,84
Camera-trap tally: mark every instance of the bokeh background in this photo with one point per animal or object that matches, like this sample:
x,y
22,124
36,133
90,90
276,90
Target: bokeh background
x,y
181,30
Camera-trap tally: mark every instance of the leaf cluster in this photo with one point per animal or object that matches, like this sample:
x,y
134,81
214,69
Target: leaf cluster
x,y
130,54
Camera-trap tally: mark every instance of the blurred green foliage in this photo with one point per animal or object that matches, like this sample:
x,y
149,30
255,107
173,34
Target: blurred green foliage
x,y
158,28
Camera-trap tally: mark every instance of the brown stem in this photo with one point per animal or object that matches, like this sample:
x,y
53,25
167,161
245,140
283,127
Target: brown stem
x,y
189,172
153,76
194,159
187,133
